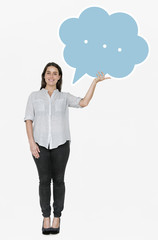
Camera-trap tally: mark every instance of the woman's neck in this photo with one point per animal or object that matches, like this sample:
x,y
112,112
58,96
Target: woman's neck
x,y
50,89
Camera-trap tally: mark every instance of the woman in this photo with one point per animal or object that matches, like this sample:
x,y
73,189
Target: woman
x,y
50,138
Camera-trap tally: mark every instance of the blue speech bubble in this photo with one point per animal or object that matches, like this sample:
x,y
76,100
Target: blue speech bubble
x,y
97,41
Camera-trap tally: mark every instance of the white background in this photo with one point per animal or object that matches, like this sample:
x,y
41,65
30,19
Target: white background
x,y
112,173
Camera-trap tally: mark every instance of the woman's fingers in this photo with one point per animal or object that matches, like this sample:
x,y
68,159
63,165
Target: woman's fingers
x,y
35,152
99,74
34,149
103,73
102,77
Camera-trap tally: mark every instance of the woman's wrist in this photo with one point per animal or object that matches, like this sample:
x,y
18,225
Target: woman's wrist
x,y
95,80
31,141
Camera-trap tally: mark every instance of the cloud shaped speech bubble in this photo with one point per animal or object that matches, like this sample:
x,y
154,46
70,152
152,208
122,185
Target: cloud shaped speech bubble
x,y
97,41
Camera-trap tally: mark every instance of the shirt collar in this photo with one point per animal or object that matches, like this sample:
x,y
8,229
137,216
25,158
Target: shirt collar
x,y
46,90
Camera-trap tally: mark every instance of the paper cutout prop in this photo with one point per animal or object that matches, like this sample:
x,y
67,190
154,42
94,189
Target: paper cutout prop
x,y
97,41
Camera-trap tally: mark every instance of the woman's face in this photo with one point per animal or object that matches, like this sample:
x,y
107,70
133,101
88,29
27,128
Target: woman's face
x,y
51,76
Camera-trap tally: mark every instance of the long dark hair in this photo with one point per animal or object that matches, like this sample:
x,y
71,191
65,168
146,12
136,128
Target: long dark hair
x,y
59,83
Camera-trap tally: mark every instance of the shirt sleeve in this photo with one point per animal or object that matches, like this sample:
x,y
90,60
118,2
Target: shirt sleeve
x,y
73,101
29,111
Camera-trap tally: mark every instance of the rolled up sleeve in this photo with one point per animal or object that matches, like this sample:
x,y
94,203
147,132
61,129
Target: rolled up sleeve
x,y
29,111
73,101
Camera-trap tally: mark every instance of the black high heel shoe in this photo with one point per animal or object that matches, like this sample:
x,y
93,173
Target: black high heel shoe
x,y
45,231
55,230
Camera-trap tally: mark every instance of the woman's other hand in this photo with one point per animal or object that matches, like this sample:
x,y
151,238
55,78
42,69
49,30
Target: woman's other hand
x,y
34,148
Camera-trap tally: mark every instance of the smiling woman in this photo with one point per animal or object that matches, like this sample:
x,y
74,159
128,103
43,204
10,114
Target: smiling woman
x,y
49,138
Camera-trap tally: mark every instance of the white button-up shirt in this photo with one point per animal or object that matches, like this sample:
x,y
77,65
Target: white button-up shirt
x,y
50,116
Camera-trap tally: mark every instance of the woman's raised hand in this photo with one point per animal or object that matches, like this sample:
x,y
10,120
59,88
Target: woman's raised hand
x,y
101,77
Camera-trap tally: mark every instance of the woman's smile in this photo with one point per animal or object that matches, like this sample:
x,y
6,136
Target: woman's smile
x,y
51,80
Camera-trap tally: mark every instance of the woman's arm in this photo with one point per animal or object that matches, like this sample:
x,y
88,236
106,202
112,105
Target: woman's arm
x,y
85,101
33,146
29,131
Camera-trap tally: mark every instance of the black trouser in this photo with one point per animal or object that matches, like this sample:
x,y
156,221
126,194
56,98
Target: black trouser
x,y
51,165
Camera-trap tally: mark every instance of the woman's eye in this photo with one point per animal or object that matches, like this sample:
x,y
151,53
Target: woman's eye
x,y
54,74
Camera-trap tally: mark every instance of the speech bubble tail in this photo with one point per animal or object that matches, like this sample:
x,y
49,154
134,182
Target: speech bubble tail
x,y
77,76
